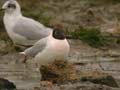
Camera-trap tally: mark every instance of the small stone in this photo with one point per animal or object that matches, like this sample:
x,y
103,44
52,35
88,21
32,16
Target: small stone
x,y
6,85
99,78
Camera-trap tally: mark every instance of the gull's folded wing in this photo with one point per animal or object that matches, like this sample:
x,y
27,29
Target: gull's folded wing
x,y
38,47
31,29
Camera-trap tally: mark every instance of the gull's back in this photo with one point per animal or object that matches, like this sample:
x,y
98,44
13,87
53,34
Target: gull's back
x,y
30,30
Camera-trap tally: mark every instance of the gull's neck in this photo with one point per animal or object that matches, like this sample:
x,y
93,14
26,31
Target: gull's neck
x,y
14,14
11,18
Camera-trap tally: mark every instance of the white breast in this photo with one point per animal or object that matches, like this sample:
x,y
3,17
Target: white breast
x,y
9,22
55,50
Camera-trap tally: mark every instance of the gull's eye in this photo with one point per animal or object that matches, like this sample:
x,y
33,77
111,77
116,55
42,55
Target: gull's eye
x,y
11,6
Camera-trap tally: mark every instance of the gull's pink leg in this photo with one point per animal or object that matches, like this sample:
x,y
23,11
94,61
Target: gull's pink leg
x,y
25,57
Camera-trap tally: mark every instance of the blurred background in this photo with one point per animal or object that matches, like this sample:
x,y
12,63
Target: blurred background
x,y
78,17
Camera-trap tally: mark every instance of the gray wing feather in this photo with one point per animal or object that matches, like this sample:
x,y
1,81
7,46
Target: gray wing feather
x,y
38,47
31,29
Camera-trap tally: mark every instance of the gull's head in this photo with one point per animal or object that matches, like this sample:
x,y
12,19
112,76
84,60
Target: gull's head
x,y
11,6
58,34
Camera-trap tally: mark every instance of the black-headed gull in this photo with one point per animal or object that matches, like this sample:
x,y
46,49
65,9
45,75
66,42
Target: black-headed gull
x,y
22,30
53,47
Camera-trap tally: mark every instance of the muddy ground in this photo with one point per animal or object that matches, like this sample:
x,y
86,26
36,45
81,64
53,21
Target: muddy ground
x,y
26,77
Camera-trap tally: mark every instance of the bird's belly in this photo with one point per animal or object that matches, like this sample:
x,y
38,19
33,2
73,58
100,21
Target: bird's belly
x,y
50,55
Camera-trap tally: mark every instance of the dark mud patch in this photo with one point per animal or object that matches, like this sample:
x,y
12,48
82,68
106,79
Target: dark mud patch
x,y
61,72
76,86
